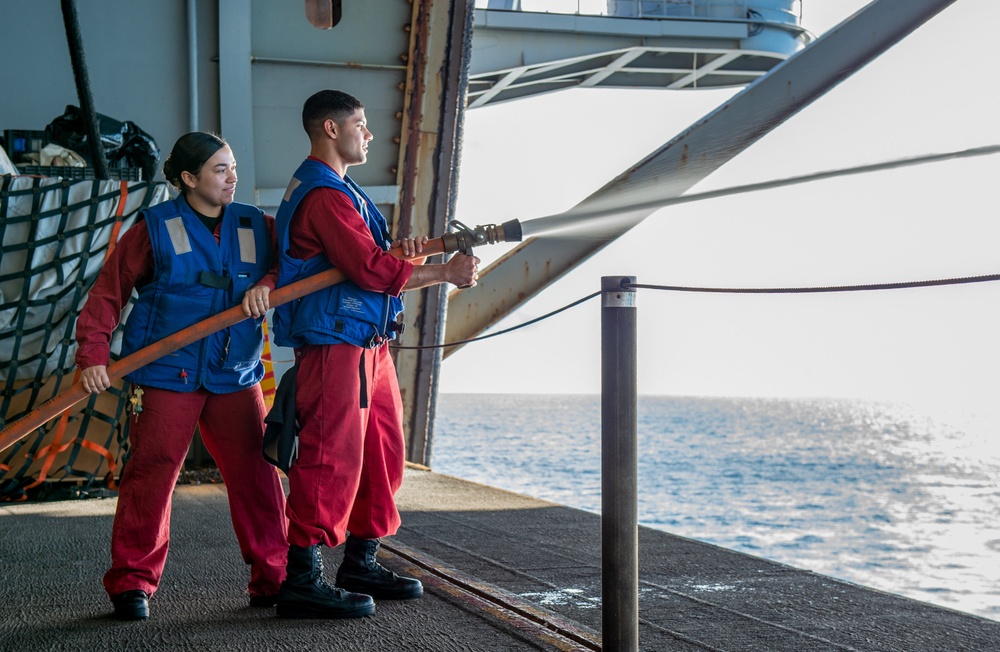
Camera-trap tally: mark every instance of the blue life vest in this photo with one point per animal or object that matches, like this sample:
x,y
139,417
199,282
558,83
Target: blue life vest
x,y
343,312
196,277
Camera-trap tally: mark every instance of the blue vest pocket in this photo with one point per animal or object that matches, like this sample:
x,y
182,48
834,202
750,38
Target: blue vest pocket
x,y
240,347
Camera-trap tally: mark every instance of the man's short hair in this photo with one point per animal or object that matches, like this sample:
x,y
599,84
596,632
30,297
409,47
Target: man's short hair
x,y
328,105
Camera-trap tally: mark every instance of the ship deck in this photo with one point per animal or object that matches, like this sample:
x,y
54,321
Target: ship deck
x,y
502,572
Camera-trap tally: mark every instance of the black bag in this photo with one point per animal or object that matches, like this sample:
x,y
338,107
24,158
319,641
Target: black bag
x,y
281,427
123,142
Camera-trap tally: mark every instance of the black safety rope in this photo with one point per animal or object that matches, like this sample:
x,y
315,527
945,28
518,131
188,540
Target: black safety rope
x,y
823,288
504,331
780,290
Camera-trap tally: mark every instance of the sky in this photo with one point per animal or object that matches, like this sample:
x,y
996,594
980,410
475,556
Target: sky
x,y
933,92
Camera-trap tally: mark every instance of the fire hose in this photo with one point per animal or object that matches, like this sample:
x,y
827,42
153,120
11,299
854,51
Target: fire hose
x,y
461,240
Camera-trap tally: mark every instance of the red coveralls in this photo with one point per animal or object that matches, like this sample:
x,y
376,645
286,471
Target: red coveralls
x,y
232,427
351,450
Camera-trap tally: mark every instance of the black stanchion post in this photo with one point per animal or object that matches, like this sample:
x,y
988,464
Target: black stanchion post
x,y
619,474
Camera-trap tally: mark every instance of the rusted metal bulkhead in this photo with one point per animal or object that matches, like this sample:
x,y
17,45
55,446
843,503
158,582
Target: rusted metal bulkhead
x,y
437,77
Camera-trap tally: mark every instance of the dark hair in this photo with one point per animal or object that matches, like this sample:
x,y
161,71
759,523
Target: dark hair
x,y
188,155
328,105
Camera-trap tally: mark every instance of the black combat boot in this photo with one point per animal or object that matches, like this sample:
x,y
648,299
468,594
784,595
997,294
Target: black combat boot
x,y
305,593
359,572
131,605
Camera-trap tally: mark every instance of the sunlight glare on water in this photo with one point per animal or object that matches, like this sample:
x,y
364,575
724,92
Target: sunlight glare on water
x,y
882,494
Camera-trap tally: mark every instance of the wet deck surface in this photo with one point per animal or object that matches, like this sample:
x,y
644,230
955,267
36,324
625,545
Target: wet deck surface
x,y
539,558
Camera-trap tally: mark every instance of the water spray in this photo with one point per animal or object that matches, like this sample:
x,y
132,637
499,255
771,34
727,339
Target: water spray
x,y
640,201
461,239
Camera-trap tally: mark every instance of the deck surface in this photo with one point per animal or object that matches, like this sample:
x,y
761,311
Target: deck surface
x,y
540,559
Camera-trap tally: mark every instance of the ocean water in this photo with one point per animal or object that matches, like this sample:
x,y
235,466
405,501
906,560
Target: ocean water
x,y
880,494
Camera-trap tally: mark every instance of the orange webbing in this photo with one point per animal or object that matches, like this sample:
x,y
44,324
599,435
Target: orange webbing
x,y
112,242
106,454
54,449
116,229
100,450
268,384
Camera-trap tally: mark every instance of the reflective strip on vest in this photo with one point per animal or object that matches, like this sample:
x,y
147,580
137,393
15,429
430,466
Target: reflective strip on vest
x,y
178,235
248,246
292,185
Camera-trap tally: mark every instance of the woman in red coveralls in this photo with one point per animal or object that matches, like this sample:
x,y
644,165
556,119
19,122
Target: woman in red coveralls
x,y
189,258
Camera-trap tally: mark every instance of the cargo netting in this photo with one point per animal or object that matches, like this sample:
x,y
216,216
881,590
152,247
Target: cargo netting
x,y
56,234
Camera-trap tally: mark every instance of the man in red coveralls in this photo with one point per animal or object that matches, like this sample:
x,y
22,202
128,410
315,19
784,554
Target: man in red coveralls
x,y
351,453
